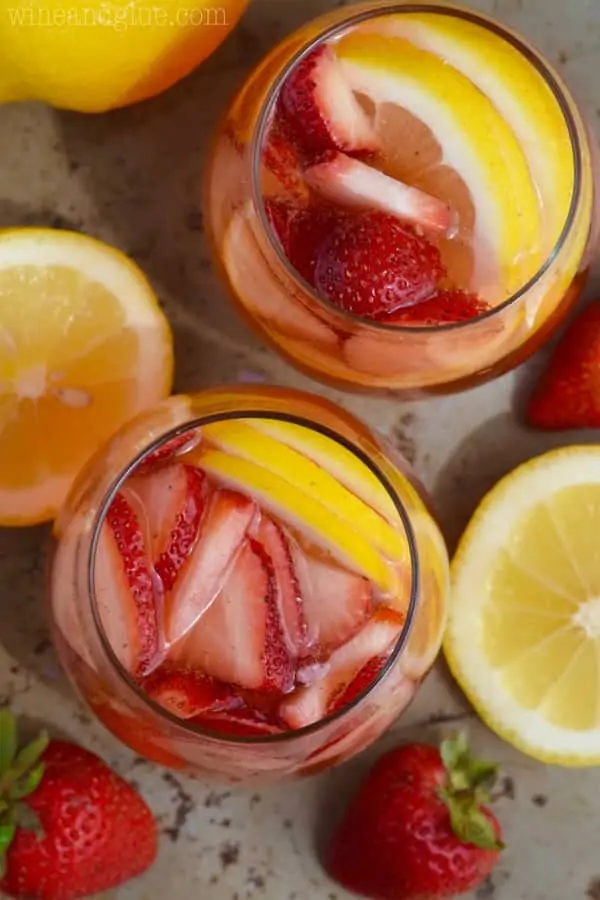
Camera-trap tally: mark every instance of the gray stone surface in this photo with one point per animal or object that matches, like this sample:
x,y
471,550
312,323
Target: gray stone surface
x,y
132,178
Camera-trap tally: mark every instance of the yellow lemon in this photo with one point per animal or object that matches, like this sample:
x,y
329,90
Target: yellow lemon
x,y
460,149
242,439
92,56
304,513
84,346
516,88
523,637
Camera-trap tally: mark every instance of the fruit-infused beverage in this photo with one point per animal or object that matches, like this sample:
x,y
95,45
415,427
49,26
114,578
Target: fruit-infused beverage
x,y
248,583
401,198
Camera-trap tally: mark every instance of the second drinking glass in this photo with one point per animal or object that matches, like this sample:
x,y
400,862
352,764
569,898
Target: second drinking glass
x,y
400,198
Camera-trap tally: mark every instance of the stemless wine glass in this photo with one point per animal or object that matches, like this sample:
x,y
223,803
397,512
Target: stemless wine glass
x,y
79,612
333,345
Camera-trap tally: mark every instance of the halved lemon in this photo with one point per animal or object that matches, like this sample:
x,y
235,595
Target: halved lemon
x,y
523,638
454,144
517,90
84,346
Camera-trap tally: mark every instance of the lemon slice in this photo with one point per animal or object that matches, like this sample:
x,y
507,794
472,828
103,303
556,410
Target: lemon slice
x,y
523,638
476,144
241,439
343,465
84,346
517,90
303,513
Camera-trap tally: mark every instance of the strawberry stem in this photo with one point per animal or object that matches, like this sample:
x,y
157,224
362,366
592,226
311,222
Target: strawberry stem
x,y
468,784
20,775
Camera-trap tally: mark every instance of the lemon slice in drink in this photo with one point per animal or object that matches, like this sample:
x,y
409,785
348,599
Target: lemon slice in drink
x,y
517,90
475,163
84,346
523,638
303,512
241,439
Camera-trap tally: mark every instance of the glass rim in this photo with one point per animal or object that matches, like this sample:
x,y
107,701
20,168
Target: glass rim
x,y
127,678
379,10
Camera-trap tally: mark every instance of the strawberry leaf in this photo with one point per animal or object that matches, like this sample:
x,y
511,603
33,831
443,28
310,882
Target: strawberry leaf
x,y
472,826
8,740
26,759
23,816
7,833
27,783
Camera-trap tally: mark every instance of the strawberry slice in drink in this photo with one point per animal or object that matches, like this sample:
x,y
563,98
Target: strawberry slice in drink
x,y
375,640
187,694
239,723
168,452
239,639
321,109
288,595
336,603
282,166
352,183
203,574
445,307
366,263
129,602
170,502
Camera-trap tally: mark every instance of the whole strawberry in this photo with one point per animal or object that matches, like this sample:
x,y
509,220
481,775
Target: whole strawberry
x,y
568,393
417,830
69,826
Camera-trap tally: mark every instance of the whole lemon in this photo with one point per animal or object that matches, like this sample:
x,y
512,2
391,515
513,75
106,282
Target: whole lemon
x,y
91,55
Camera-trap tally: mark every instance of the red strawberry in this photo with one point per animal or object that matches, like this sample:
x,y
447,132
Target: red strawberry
x,y
367,263
94,832
281,215
445,307
239,638
168,451
366,676
352,183
239,722
336,603
307,705
288,594
320,108
185,529
568,393
417,828
200,579
125,528
187,694
282,172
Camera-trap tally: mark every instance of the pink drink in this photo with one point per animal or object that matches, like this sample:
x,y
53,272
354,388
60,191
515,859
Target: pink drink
x,y
254,581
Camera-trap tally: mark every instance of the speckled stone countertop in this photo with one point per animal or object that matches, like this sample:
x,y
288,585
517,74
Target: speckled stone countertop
x,y
132,178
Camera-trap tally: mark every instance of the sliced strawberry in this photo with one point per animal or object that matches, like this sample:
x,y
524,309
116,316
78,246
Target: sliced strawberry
x,y
366,263
282,172
288,594
336,602
187,694
443,308
281,215
166,453
359,683
355,184
310,704
321,109
239,639
204,572
138,640
185,529
239,722
169,503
